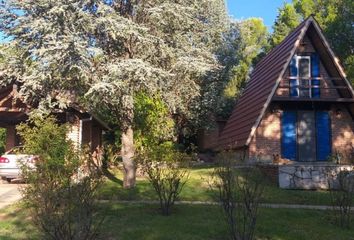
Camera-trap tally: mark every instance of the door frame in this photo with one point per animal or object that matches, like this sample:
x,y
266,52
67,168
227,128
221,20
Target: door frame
x,y
315,135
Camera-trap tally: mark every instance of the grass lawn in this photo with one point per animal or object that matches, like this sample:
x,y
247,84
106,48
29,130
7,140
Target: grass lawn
x,y
15,224
197,189
188,222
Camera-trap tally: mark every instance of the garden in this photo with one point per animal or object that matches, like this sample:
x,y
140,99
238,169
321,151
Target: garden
x,y
114,100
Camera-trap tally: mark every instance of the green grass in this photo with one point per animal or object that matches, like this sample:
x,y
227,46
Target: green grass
x,y
197,189
15,224
188,222
192,222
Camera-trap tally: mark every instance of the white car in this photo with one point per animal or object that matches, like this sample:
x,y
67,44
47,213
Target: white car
x,y
11,162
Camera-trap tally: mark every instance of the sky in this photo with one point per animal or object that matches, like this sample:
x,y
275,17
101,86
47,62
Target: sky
x,y
242,9
266,9
1,36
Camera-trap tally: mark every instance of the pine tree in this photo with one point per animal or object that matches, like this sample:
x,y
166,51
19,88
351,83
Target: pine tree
x,y
286,21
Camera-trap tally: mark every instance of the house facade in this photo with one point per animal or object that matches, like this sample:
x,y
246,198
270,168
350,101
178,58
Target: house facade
x,y
84,128
298,104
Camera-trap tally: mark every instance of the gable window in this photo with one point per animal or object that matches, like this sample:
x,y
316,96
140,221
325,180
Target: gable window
x,y
300,76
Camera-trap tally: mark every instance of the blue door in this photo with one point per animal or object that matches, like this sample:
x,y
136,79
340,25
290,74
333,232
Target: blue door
x,y
323,135
288,130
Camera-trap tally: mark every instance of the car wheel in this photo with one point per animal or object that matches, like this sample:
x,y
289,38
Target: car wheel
x,y
8,180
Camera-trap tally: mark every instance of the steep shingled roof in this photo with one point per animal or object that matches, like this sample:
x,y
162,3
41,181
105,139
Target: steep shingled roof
x,y
260,89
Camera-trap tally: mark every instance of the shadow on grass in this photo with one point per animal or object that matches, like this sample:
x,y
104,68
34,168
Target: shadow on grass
x,y
139,221
111,176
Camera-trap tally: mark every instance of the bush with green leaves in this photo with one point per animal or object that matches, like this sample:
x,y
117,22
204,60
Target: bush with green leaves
x,y
240,191
167,171
60,196
2,140
153,122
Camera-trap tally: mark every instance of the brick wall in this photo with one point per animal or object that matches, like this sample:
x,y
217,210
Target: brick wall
x,y
342,131
74,132
266,140
208,139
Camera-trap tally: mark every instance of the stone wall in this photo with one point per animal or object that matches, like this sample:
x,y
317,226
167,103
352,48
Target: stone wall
x,y
310,176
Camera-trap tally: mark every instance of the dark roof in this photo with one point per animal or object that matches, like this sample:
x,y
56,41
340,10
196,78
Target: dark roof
x,y
260,89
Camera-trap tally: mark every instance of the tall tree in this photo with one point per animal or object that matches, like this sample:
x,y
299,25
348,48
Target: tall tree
x,y
104,52
245,41
286,21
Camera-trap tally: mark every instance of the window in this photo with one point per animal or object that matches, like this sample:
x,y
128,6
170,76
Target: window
x,y
300,76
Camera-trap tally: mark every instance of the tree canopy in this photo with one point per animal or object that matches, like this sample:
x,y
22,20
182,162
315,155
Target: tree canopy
x,y
103,52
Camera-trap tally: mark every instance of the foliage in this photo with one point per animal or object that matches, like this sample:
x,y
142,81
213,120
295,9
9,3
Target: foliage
x,y
152,121
335,18
165,168
2,140
342,195
243,44
114,51
61,189
286,21
240,195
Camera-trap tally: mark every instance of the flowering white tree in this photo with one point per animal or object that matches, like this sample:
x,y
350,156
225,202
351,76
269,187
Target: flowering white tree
x,y
102,52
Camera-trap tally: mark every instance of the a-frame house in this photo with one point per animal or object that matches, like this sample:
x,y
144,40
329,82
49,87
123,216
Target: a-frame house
x,y
298,103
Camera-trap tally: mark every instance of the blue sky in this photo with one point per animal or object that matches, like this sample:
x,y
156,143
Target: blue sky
x,y
266,9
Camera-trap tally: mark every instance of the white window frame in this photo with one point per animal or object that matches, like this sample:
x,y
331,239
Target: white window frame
x,y
298,75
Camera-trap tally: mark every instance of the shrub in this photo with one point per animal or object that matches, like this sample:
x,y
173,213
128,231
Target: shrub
x,y
2,140
166,171
240,192
342,196
60,199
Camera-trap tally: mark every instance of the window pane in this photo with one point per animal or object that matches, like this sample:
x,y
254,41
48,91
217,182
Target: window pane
x,y
294,88
304,67
305,91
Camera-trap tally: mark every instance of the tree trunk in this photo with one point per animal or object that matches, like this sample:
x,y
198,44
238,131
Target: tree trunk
x,y
128,141
127,156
